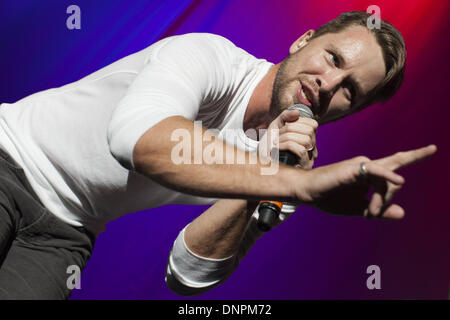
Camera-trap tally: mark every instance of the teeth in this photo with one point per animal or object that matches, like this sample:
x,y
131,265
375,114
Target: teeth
x,y
303,94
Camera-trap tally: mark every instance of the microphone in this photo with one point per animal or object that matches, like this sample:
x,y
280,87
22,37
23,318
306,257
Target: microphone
x,y
269,210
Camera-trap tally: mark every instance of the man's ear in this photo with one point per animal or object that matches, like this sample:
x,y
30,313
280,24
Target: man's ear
x,y
301,42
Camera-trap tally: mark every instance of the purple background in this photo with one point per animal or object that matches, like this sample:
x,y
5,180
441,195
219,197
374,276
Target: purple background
x,y
313,255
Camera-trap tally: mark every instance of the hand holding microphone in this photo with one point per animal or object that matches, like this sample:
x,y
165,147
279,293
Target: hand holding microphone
x,y
297,145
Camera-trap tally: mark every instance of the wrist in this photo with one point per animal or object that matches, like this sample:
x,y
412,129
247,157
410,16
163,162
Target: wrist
x,y
296,179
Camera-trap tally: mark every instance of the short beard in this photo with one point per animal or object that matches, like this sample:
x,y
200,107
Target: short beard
x,y
276,105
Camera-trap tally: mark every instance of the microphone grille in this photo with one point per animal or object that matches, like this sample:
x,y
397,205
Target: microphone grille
x,y
305,111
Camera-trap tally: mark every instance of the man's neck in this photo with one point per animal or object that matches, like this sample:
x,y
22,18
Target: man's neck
x,y
257,116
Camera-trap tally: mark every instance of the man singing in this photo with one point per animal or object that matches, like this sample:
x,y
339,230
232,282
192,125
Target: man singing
x,y
76,157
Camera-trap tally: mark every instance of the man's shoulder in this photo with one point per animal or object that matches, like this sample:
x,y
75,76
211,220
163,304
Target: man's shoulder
x,y
200,41
196,49
203,37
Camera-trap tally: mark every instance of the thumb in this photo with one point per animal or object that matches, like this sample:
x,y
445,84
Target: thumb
x,y
287,116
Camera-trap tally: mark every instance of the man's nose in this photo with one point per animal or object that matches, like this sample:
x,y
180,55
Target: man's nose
x,y
329,81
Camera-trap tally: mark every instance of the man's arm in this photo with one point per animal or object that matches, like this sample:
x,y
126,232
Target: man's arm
x,y
217,233
224,223
210,248
205,252
152,157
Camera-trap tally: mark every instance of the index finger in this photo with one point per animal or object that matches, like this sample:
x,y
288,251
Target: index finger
x,y
374,169
405,158
308,121
287,116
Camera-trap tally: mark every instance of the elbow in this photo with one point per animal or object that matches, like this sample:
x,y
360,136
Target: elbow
x,y
181,288
142,154
190,275
132,151
120,147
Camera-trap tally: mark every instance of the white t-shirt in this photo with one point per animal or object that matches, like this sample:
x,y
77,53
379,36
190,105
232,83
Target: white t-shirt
x,y
75,143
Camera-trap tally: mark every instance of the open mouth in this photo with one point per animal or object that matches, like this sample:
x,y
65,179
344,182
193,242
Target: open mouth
x,y
302,96
303,93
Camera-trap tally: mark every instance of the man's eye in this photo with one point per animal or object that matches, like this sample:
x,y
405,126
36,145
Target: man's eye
x,y
349,92
333,58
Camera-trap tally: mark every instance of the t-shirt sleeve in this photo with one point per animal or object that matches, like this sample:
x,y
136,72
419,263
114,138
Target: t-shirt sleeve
x,y
189,274
179,74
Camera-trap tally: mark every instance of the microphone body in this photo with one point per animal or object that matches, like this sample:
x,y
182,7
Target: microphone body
x,y
269,210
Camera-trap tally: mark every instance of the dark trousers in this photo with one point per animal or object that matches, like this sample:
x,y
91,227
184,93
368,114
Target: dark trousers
x,y
40,255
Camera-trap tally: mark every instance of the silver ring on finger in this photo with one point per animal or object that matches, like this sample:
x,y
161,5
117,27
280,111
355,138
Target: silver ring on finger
x,y
363,170
310,152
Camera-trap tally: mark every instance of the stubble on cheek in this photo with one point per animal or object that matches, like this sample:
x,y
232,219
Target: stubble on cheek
x,y
290,93
284,90
286,95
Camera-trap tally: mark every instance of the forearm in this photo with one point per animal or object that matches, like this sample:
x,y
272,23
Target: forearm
x,y
206,253
217,233
152,157
209,249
